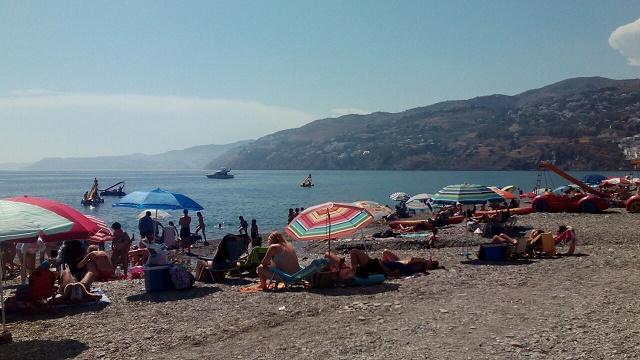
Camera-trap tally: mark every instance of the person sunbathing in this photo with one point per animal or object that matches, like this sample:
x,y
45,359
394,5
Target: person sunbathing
x,y
72,291
280,255
139,256
390,266
41,285
344,273
98,264
566,234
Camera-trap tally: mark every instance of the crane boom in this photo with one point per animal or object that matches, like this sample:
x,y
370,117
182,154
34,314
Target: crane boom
x,y
571,179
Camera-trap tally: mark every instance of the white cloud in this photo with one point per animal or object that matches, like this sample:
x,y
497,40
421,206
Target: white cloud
x,y
89,124
626,39
348,111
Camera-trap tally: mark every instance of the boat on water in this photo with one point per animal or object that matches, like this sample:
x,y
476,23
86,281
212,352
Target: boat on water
x,y
91,197
114,190
221,174
307,183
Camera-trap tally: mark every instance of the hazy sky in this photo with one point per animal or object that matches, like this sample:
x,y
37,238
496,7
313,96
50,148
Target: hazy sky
x,y
84,78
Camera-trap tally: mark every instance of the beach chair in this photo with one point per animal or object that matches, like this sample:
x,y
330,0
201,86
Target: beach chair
x,y
546,244
251,262
301,275
226,258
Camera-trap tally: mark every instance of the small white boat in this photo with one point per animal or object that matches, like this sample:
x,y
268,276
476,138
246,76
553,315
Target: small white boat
x,y
221,174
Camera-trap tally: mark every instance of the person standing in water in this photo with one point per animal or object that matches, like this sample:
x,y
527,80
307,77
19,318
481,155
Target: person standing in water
x,y
201,226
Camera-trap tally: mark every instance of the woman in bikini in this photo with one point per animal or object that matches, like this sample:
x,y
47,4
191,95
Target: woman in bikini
x,y
280,255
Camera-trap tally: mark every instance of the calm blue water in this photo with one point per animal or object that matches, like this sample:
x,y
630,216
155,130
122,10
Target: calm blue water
x,y
263,195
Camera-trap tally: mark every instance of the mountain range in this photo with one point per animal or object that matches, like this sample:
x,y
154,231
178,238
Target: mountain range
x,y
196,157
587,123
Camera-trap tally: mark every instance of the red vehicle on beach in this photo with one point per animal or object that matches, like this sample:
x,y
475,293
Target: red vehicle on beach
x,y
581,202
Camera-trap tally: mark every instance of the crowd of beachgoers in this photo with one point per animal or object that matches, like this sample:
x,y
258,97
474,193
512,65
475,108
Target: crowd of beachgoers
x,y
373,267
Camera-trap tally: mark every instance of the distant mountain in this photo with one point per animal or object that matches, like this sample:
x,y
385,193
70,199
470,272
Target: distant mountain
x,y
195,157
13,166
582,123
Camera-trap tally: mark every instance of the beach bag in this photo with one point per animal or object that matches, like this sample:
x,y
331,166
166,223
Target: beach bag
x,y
181,278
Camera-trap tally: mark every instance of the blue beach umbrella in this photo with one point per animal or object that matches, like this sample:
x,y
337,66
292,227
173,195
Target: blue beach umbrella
x,y
466,194
158,199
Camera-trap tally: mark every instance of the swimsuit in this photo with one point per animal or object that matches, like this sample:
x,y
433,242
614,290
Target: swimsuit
x,y
402,268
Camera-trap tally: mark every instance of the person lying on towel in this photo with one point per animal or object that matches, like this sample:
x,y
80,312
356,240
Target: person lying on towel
x,y
390,266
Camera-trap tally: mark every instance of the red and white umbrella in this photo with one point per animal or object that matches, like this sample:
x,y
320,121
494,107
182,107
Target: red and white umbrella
x,y
82,227
616,181
104,233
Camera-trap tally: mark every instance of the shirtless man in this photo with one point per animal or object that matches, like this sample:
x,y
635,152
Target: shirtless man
x,y
121,245
185,225
99,267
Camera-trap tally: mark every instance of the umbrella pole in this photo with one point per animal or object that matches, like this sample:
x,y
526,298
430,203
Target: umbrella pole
x,y
4,325
329,221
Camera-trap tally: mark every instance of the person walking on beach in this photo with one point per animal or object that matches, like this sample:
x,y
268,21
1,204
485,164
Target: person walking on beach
x,y
255,233
243,226
201,227
185,226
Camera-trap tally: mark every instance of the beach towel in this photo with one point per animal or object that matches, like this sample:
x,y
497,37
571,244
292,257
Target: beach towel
x,y
104,300
256,288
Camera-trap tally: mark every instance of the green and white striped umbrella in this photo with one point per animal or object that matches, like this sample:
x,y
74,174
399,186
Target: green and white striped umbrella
x,y
20,220
466,194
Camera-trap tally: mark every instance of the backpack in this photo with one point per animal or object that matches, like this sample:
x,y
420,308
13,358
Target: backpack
x,y
181,278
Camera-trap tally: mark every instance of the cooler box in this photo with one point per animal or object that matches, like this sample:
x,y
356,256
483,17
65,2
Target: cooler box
x,y
493,252
157,278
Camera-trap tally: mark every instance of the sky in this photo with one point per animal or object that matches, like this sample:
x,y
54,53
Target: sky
x,y
87,78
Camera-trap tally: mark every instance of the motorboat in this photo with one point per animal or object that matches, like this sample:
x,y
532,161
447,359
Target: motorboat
x,y
114,190
221,174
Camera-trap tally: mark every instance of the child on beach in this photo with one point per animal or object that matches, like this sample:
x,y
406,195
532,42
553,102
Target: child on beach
x,y
433,238
201,227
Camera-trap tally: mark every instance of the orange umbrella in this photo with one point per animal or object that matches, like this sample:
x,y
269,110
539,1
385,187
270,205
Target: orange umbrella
x,y
505,194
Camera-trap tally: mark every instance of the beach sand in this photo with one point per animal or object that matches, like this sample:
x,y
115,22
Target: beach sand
x,y
580,307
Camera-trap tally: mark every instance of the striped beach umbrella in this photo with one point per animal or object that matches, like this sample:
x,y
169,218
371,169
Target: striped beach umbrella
x,y
328,220
466,194
81,228
22,220
378,211
399,196
104,232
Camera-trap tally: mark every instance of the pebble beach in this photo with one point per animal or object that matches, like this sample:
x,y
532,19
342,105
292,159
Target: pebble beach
x,y
578,307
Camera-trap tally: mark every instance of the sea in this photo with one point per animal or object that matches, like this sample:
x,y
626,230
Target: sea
x,y
262,195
